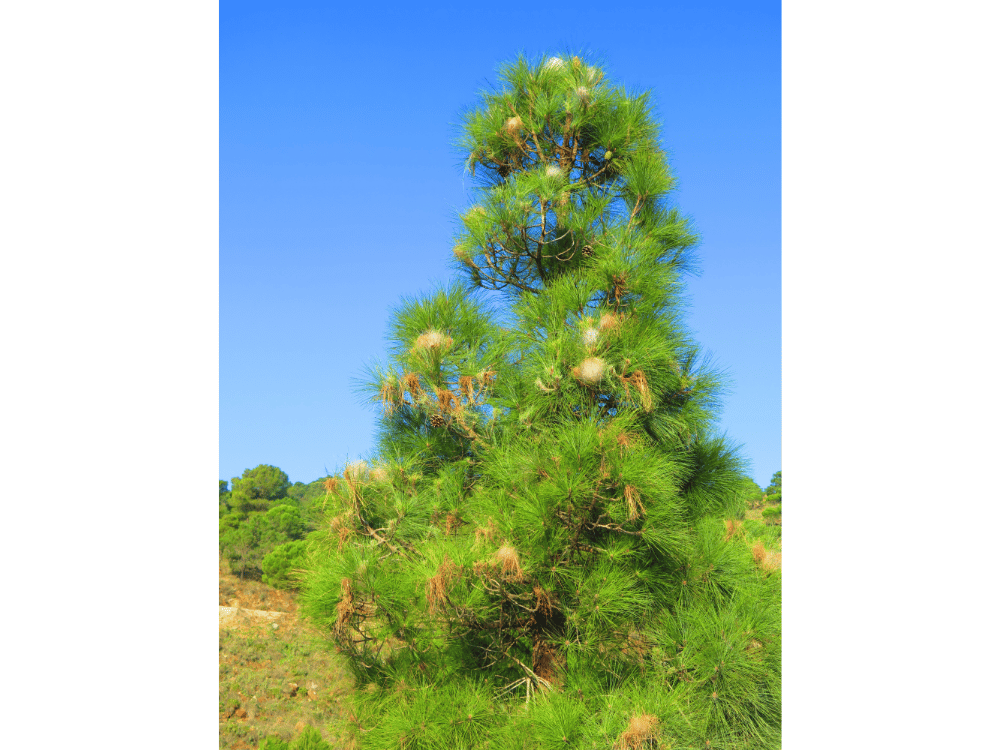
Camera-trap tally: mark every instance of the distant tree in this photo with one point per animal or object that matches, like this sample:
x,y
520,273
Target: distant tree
x,y
228,522
775,485
286,520
305,494
246,543
258,488
772,513
224,496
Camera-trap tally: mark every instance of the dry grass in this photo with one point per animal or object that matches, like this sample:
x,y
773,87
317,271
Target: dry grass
x,y
734,527
274,676
768,560
772,562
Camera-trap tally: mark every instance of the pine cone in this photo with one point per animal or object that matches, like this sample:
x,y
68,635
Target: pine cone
x,y
437,420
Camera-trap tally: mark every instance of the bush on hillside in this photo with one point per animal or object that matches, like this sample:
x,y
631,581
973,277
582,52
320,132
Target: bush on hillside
x,y
310,739
246,543
278,565
306,494
761,531
228,523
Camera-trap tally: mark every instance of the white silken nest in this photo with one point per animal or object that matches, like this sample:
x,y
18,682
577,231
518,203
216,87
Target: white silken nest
x,y
591,370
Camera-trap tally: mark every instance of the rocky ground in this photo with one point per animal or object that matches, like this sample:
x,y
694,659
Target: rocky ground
x,y
275,677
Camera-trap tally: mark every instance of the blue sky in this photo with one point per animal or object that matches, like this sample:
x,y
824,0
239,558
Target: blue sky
x,y
339,185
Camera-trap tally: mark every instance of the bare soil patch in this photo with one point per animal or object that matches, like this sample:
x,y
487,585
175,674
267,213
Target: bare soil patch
x,y
275,675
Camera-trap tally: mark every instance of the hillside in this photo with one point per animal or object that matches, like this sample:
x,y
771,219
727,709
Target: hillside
x,y
278,676
274,676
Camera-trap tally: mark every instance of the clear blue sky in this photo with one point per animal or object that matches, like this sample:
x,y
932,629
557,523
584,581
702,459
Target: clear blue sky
x,y
339,186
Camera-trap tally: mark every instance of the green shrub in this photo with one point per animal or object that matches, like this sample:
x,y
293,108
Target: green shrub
x,y
772,515
228,523
775,498
306,494
246,543
277,565
286,520
273,743
310,739
758,530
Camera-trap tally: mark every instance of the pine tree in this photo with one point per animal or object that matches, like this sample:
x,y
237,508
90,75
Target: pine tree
x,y
775,486
546,549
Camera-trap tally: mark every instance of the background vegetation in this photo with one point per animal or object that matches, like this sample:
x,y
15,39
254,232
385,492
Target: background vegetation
x,y
260,520
266,673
